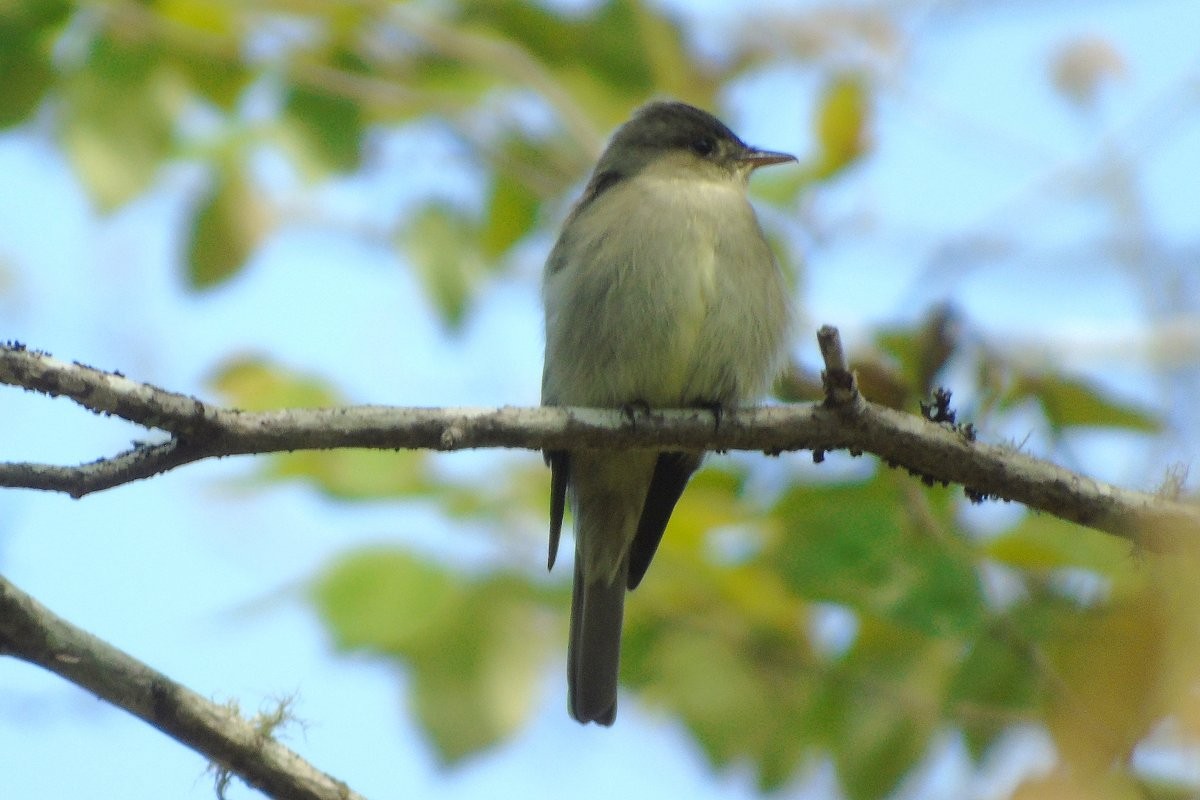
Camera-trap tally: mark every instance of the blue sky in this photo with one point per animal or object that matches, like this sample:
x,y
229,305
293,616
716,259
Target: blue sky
x,y
198,572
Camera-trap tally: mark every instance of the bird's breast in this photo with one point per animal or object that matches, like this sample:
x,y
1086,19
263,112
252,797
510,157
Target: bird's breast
x,y
649,279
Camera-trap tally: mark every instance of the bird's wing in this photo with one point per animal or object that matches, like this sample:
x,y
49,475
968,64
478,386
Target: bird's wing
x,y
671,474
560,470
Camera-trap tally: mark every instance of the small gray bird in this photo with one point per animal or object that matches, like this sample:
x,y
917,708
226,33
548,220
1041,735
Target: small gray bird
x,y
660,292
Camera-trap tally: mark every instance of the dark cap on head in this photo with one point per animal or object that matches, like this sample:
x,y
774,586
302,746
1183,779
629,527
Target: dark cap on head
x,y
664,126
670,125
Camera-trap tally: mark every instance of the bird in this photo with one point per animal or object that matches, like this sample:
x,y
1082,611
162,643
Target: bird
x,y
661,291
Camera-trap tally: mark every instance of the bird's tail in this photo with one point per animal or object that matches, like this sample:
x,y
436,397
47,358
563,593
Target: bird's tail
x,y
594,650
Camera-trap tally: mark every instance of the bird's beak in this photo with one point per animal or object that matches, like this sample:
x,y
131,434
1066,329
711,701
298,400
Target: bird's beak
x,y
764,158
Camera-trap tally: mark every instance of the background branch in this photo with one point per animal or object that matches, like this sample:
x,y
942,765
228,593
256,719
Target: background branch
x,y
31,632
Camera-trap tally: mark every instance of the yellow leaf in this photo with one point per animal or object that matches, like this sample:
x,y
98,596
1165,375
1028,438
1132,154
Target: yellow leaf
x,y
200,15
841,124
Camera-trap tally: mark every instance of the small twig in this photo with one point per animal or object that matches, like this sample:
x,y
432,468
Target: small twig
x,y
841,389
31,632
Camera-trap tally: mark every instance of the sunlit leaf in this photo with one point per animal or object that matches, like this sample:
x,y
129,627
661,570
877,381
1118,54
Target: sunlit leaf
x,y
709,681
1149,787
451,77
1068,783
676,72
732,682
726,647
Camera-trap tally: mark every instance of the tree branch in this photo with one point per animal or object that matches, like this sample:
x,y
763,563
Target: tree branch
x,y
936,451
31,632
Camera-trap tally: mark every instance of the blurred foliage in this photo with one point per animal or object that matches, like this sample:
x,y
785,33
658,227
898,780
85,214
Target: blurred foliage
x,y
229,224
473,646
1042,624
349,474
722,636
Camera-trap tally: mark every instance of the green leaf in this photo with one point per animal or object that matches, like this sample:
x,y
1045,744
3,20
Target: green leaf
x,y
601,39
218,82
27,31
474,646
386,601
117,120
448,77
893,680
997,681
732,697
231,220
721,644
856,544
476,685
328,126
541,166
729,676
608,58
1071,402
442,244
674,71
1163,788
881,749
511,213
874,708
213,66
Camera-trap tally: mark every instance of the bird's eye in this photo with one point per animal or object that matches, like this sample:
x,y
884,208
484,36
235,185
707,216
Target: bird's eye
x,y
704,146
